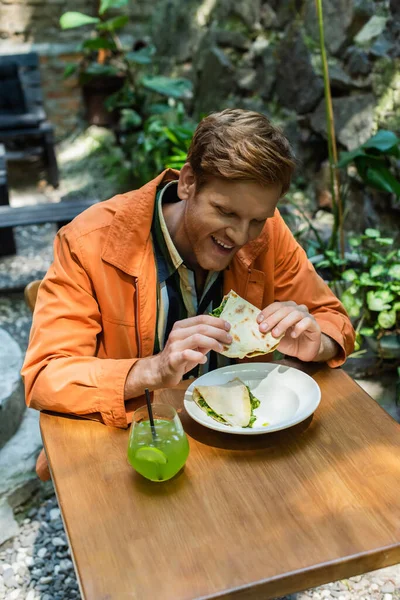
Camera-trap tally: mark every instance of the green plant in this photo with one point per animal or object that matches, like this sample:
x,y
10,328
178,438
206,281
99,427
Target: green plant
x,y
163,142
375,161
104,55
370,287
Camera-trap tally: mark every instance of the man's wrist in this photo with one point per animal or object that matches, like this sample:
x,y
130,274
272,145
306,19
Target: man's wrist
x,y
143,374
328,349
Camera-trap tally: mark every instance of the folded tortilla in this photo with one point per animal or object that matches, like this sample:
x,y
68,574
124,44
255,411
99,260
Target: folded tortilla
x,y
231,403
248,341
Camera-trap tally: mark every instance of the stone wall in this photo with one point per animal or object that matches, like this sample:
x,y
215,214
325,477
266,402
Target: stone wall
x,y
33,25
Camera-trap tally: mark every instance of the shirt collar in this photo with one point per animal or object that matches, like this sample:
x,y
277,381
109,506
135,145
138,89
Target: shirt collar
x,y
174,255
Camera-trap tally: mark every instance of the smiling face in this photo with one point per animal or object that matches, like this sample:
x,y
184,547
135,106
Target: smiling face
x,y
221,218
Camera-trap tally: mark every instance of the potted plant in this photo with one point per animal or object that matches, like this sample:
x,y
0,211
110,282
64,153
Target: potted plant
x,y
111,74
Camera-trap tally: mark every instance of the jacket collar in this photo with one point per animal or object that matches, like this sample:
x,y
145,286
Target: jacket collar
x,y
129,234
129,238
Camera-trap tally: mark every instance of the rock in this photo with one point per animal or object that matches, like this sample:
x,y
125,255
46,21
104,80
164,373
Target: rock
x,y
54,514
176,29
353,119
357,61
57,541
14,595
283,12
388,588
298,87
8,525
18,479
231,39
29,561
42,552
215,83
381,47
340,81
65,565
341,18
9,579
268,17
371,30
12,402
267,72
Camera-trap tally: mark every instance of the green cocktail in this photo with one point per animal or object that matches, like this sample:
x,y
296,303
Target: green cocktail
x,y
160,454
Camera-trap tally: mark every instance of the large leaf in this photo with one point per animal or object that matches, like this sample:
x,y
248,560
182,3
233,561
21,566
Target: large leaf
x,y
349,275
97,69
107,4
394,271
166,86
113,24
346,158
381,178
382,141
130,118
367,331
142,56
387,318
352,304
376,270
378,301
99,43
72,19
372,233
366,279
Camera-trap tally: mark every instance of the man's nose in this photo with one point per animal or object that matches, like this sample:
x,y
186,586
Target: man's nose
x,y
239,234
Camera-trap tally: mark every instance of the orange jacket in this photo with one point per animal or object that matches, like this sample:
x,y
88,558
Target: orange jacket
x,y
96,309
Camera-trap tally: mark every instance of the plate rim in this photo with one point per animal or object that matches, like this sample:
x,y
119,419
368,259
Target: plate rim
x,y
249,431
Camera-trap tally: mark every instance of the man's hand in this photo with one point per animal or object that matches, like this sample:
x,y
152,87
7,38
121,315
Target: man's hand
x,y
187,345
302,334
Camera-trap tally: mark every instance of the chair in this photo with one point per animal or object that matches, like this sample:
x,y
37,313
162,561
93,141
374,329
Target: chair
x,y
7,242
31,292
24,129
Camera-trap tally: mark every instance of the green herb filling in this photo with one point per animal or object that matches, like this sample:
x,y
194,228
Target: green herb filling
x,y
254,404
217,311
210,411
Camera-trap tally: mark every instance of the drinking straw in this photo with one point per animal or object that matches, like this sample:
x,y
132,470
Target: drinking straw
x,y
150,410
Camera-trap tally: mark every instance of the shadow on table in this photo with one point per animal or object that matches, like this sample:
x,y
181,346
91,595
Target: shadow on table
x,y
281,441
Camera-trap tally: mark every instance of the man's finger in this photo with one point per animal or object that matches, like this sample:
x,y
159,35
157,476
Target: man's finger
x,y
210,331
272,308
203,320
291,319
196,341
278,316
307,324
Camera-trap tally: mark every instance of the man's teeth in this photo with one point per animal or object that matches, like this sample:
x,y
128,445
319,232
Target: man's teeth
x,y
222,244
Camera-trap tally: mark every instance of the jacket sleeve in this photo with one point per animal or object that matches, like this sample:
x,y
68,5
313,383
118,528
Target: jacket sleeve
x,y
297,280
61,372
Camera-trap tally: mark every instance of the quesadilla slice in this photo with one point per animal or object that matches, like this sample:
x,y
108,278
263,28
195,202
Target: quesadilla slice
x,y
231,403
248,341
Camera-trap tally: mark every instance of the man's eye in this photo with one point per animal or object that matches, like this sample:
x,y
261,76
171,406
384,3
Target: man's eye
x,y
224,212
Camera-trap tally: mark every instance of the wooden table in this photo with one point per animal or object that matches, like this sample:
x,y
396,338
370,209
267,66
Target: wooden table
x,y
248,518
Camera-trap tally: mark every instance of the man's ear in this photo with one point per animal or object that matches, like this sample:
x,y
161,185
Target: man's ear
x,y
186,183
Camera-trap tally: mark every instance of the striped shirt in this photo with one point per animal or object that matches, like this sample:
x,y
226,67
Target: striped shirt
x,y
177,296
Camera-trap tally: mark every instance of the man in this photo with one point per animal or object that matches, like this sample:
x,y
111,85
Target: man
x,y
125,304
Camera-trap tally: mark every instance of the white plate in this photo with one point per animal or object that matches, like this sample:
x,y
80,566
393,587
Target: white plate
x,y
287,396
